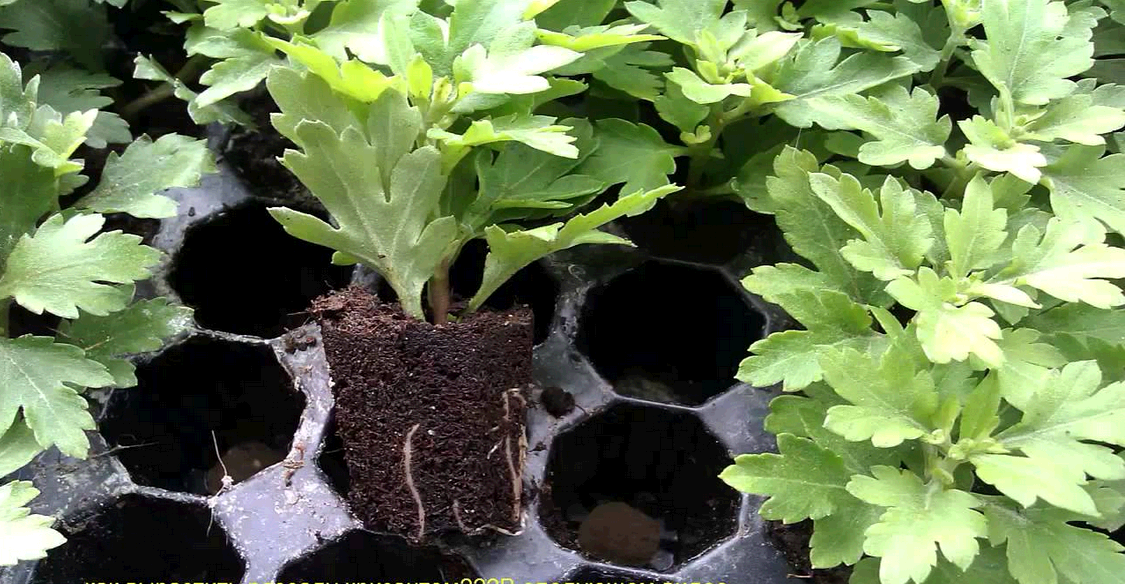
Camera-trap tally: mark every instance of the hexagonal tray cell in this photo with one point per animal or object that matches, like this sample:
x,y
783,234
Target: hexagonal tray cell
x,y
163,428
638,485
243,274
361,556
705,231
669,333
141,539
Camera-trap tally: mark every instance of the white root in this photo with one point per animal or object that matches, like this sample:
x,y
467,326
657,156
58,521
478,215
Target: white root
x,y
407,453
515,470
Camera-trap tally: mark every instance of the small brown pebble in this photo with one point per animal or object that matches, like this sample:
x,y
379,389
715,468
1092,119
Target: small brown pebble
x,y
618,533
557,401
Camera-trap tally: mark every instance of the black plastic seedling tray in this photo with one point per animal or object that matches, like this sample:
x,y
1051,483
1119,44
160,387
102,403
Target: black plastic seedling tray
x,y
647,345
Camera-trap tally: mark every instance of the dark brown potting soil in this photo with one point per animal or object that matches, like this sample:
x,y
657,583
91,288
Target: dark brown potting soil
x,y
431,417
793,542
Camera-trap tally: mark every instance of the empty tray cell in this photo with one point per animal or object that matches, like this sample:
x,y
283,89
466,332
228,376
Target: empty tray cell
x,y
706,231
669,332
163,428
141,539
638,486
243,274
362,556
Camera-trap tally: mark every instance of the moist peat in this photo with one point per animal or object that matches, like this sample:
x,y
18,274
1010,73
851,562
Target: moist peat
x,y
432,418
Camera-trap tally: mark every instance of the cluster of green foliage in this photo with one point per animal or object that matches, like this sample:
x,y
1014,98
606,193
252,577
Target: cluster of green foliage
x,y
55,257
956,404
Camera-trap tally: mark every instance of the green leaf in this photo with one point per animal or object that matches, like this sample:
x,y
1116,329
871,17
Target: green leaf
x,y
131,183
597,37
804,481
895,237
918,521
1032,49
17,102
352,77
222,112
479,22
679,20
904,126
301,95
539,132
53,137
632,70
235,75
897,32
974,234
812,228
74,26
812,72
511,65
633,154
61,269
357,26
702,92
991,147
1060,263
1026,362
1067,410
142,327
68,90
675,108
232,14
29,192
793,357
389,230
1087,187
17,447
24,536
1025,480
890,403
39,373
1075,119
948,332
1042,546
509,252
1082,321
989,567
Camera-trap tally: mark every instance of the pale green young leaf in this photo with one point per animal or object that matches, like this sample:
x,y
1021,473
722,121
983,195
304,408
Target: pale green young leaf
x,y
1043,548
1076,119
812,228
63,267
633,154
478,22
389,231
510,64
24,536
358,26
222,112
74,26
132,182
676,109
53,137
510,252
948,332
301,95
539,132
1087,187
1061,263
144,326
792,358
679,20
1067,412
889,401
974,233
774,282
904,126
757,51
803,481
1026,480
989,567
917,523
353,78
40,373
17,447
17,101
1032,49
235,75
232,14
597,37
991,147
815,70
1027,361
700,91
895,237
68,89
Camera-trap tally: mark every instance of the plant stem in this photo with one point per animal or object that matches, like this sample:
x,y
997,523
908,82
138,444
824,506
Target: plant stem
x,y
4,306
438,293
193,66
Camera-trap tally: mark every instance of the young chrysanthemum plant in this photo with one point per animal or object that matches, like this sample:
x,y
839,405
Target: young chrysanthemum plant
x,y
436,145
957,406
56,260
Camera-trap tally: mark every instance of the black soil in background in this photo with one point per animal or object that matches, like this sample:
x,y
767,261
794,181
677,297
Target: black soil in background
x,y
638,485
431,417
793,542
253,153
139,539
711,232
243,274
